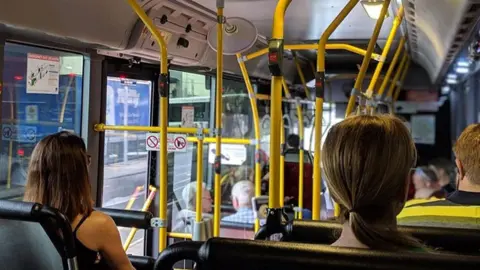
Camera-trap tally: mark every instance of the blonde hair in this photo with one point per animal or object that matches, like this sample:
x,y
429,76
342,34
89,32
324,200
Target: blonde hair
x,y
367,160
467,151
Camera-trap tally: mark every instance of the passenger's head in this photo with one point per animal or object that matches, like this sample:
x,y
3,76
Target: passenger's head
x,y
445,170
293,141
367,161
242,194
189,195
425,178
58,175
467,152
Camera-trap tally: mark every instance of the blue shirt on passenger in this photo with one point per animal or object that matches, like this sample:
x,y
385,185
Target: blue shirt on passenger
x,y
244,215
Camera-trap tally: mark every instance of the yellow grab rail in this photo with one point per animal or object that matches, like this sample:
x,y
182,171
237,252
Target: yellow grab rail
x,y
356,91
396,23
163,111
302,76
398,73
391,68
401,81
199,195
103,127
224,140
304,47
256,129
134,197
218,119
179,235
320,91
145,207
276,104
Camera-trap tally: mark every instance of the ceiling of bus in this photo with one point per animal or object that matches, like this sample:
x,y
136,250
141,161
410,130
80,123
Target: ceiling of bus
x,y
110,23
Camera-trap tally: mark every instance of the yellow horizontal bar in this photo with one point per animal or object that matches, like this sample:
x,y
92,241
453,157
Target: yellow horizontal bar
x,y
179,235
302,47
224,140
103,127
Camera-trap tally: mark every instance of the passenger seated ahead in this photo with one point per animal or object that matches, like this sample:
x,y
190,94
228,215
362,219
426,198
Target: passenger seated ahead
x,y
461,209
58,177
367,161
427,184
242,194
185,219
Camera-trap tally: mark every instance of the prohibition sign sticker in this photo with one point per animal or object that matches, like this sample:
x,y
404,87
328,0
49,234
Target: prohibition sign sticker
x,y
152,142
180,143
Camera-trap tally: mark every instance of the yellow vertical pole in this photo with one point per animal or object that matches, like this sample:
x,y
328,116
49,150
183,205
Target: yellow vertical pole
x,y
218,119
366,60
283,147
256,128
320,91
391,68
275,58
386,50
401,81
198,204
398,73
302,76
163,89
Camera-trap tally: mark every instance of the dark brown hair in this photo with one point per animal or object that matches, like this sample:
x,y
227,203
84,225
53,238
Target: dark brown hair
x,y
367,161
58,175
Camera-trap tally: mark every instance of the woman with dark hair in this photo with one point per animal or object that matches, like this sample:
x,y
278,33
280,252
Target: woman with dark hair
x,y
58,177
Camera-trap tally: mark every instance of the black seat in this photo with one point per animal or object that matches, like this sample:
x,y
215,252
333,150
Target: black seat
x,y
25,234
129,218
465,241
142,262
220,254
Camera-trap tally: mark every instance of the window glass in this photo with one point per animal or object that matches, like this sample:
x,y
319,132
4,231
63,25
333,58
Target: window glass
x,y
125,154
41,94
189,106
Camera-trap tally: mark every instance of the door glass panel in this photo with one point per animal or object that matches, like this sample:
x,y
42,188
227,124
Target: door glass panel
x,y
42,94
125,155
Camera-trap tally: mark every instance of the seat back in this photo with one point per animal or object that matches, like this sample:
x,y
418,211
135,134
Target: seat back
x,y
464,241
25,245
220,254
292,171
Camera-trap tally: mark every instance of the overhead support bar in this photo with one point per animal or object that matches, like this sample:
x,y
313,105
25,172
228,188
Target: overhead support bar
x,y
391,68
320,89
366,60
401,81
103,127
163,111
306,47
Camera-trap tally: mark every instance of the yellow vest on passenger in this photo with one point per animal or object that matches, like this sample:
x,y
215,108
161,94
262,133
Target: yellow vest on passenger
x,y
439,213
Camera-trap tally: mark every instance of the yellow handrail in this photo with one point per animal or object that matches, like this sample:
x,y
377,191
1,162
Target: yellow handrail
x,y
320,89
302,76
218,119
103,127
305,47
401,81
386,50
256,128
179,235
199,195
224,140
163,111
276,110
398,73
391,68
356,91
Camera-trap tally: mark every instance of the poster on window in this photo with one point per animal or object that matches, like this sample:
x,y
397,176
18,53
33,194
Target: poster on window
x,y
43,74
188,112
423,129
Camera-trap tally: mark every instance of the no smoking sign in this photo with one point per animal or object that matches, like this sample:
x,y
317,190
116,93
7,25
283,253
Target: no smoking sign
x,y
175,142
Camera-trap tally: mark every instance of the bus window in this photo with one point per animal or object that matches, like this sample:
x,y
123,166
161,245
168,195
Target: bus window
x,y
125,154
41,95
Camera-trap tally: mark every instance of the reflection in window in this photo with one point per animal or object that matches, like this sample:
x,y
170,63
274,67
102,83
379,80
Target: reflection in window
x,y
125,155
42,94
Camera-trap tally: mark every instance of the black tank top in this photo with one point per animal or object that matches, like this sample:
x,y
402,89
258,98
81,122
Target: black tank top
x,y
88,259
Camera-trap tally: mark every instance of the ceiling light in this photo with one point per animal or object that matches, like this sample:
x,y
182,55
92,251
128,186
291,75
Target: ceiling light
x,y
462,70
373,8
463,64
452,76
451,81
445,90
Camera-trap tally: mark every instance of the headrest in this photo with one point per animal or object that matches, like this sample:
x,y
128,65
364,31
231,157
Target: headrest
x,y
176,252
142,262
218,254
129,218
449,239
